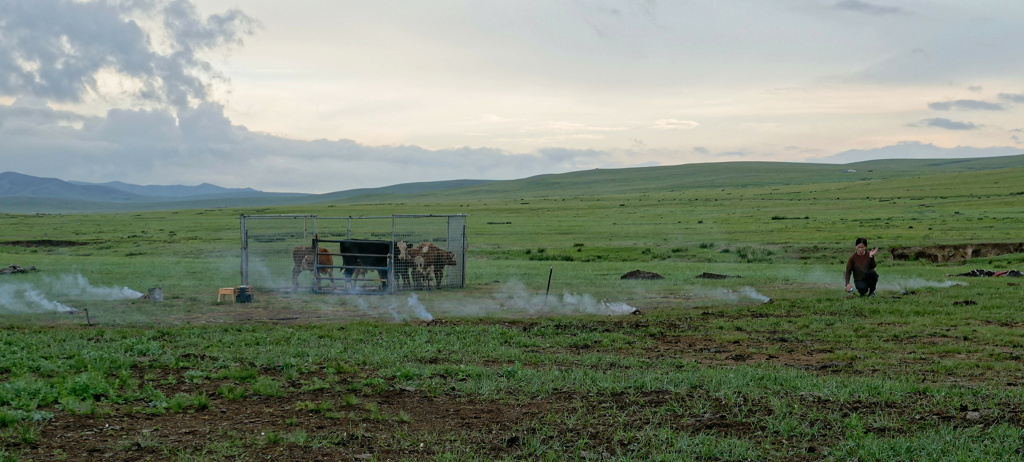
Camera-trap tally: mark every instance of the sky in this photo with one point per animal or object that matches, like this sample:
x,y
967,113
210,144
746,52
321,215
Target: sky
x,y
314,96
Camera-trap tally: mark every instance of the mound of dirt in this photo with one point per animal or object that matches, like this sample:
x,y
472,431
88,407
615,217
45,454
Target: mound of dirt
x,y
15,269
638,274
954,253
706,275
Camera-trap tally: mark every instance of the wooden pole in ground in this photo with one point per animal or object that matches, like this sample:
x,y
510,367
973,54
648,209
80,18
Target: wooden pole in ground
x,y
551,270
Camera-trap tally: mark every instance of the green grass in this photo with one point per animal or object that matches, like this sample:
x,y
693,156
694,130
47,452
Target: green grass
x,y
705,370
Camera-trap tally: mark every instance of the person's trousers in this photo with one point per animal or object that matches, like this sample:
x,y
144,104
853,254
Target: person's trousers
x,y
867,285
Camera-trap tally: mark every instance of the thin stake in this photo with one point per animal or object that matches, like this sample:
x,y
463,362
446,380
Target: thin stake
x,y
87,320
552,270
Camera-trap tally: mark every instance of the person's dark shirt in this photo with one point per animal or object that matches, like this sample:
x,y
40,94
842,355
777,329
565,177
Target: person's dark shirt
x,y
858,266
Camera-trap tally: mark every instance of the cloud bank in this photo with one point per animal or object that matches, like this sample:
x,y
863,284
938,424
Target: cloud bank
x,y
139,90
65,50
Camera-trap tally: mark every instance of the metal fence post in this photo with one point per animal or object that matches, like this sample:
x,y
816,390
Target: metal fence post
x,y
245,252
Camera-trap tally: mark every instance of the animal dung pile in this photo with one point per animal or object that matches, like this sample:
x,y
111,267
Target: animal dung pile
x,y
706,275
638,274
15,269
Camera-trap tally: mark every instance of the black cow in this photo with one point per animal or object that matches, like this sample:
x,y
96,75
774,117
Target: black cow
x,y
372,255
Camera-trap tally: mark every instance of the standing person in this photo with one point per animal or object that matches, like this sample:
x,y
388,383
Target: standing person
x,y
861,266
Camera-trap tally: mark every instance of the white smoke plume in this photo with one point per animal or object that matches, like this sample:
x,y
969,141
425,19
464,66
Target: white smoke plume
x,y
37,297
739,295
515,296
917,284
411,309
587,304
20,297
260,274
77,286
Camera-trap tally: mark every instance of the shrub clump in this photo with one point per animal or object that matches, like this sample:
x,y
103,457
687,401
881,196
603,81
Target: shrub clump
x,y
752,254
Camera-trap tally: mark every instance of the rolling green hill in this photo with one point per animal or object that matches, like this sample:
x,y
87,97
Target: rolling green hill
x,y
710,175
724,175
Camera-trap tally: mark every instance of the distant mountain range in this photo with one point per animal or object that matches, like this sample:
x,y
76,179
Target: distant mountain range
x,y
14,184
25,193
176,191
21,193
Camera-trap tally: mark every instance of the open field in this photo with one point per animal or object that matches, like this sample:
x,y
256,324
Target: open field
x,y
603,368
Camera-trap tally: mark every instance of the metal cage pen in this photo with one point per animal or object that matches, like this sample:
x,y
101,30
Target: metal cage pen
x,y
353,254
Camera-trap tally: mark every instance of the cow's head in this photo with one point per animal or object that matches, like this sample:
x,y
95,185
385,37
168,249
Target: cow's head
x,y
450,259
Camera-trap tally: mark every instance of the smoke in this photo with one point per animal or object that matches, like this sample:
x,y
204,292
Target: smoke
x,y
418,309
515,296
20,297
917,284
412,309
262,275
587,304
27,297
886,283
738,295
77,286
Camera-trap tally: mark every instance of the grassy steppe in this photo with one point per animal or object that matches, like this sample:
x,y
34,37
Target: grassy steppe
x,y
704,370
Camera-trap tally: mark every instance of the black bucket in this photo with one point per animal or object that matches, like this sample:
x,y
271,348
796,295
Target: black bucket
x,y
243,294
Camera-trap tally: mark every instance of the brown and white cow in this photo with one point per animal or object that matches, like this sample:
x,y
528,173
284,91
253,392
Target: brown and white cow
x,y
429,261
403,263
303,257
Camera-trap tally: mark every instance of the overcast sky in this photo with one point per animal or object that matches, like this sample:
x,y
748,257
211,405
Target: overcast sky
x,y
319,96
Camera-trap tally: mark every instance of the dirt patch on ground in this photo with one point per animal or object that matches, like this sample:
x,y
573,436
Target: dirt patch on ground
x,y
956,253
779,349
303,426
404,423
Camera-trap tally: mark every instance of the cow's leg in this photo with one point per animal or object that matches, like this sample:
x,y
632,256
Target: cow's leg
x,y
403,272
295,278
348,278
438,275
417,278
428,274
402,269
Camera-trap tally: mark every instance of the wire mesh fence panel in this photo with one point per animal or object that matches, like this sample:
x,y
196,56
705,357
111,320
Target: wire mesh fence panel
x,y
437,250
355,254
269,245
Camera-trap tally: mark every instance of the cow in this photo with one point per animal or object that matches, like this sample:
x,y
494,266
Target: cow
x,y
403,263
429,261
303,257
371,255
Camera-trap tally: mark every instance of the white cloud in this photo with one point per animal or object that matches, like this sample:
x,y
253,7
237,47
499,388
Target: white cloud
x,y
673,124
63,50
377,93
